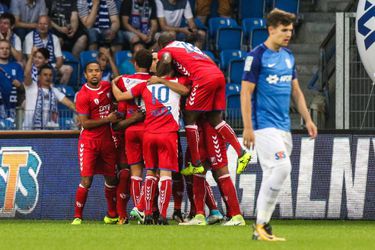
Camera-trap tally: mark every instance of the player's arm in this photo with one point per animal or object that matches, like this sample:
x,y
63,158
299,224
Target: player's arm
x,y
125,123
88,123
68,103
174,86
247,89
119,95
299,99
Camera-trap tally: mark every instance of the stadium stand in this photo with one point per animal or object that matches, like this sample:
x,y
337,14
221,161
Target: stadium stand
x,y
287,5
227,55
251,8
233,110
121,56
258,36
235,70
212,56
249,24
85,57
229,38
69,59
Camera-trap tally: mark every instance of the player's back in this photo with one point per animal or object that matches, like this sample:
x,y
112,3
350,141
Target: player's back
x,y
95,104
126,83
274,74
162,107
191,61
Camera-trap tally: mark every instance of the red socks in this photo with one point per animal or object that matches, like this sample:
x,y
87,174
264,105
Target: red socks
x,y
178,191
192,137
199,193
135,189
110,196
165,193
228,134
81,197
149,193
210,199
189,191
229,194
123,193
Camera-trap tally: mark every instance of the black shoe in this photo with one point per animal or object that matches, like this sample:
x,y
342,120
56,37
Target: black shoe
x,y
162,221
155,216
268,228
177,216
149,220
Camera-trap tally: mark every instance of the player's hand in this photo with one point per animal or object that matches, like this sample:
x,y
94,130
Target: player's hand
x,y
138,116
113,117
311,129
115,80
248,138
154,80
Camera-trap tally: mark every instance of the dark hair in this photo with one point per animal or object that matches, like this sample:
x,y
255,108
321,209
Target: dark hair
x,y
164,68
138,43
143,58
9,16
43,67
165,38
277,17
44,52
91,62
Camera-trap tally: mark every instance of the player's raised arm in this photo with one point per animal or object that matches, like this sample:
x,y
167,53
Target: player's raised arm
x,y
125,123
119,95
174,86
247,89
299,99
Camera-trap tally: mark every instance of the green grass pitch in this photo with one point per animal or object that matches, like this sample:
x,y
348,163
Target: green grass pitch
x,y
26,234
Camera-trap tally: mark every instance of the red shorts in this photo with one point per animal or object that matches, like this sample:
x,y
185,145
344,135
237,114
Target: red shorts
x,y
97,157
214,147
119,141
133,146
161,151
207,95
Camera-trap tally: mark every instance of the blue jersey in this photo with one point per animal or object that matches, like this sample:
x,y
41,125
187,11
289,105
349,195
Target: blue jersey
x,y
9,72
272,72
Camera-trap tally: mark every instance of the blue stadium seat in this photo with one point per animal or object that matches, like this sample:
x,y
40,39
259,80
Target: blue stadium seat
x,y
211,55
227,55
121,56
228,38
235,70
85,57
258,36
249,24
219,22
287,5
69,59
251,8
233,110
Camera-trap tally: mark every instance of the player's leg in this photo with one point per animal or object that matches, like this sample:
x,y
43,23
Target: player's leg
x,y
110,189
165,193
81,197
215,215
150,187
123,192
273,148
178,194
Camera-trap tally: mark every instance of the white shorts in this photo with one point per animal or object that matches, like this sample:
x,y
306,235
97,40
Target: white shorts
x,y
273,146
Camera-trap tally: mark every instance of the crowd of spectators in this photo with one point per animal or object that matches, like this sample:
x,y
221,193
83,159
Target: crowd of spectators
x,y
33,33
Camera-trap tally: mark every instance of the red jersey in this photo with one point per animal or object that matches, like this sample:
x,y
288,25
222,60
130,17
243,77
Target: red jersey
x,y
126,83
162,106
96,104
190,61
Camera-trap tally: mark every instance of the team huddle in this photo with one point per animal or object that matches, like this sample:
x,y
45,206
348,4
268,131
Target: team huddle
x,y
141,132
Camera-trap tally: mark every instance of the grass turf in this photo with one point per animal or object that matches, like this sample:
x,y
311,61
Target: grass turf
x,y
27,234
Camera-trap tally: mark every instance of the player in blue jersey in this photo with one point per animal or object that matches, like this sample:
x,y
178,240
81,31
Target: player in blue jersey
x,y
268,81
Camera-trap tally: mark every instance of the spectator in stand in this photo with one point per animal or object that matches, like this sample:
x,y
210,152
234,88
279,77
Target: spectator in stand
x,y
127,66
11,78
7,22
171,13
43,38
41,107
138,18
4,6
66,25
27,13
101,19
202,8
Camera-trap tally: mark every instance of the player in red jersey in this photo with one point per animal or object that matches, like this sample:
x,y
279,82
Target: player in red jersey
x,y
213,152
123,171
161,139
96,148
134,133
207,95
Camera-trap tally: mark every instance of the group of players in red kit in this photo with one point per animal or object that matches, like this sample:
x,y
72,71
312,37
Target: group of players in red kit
x,y
143,133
